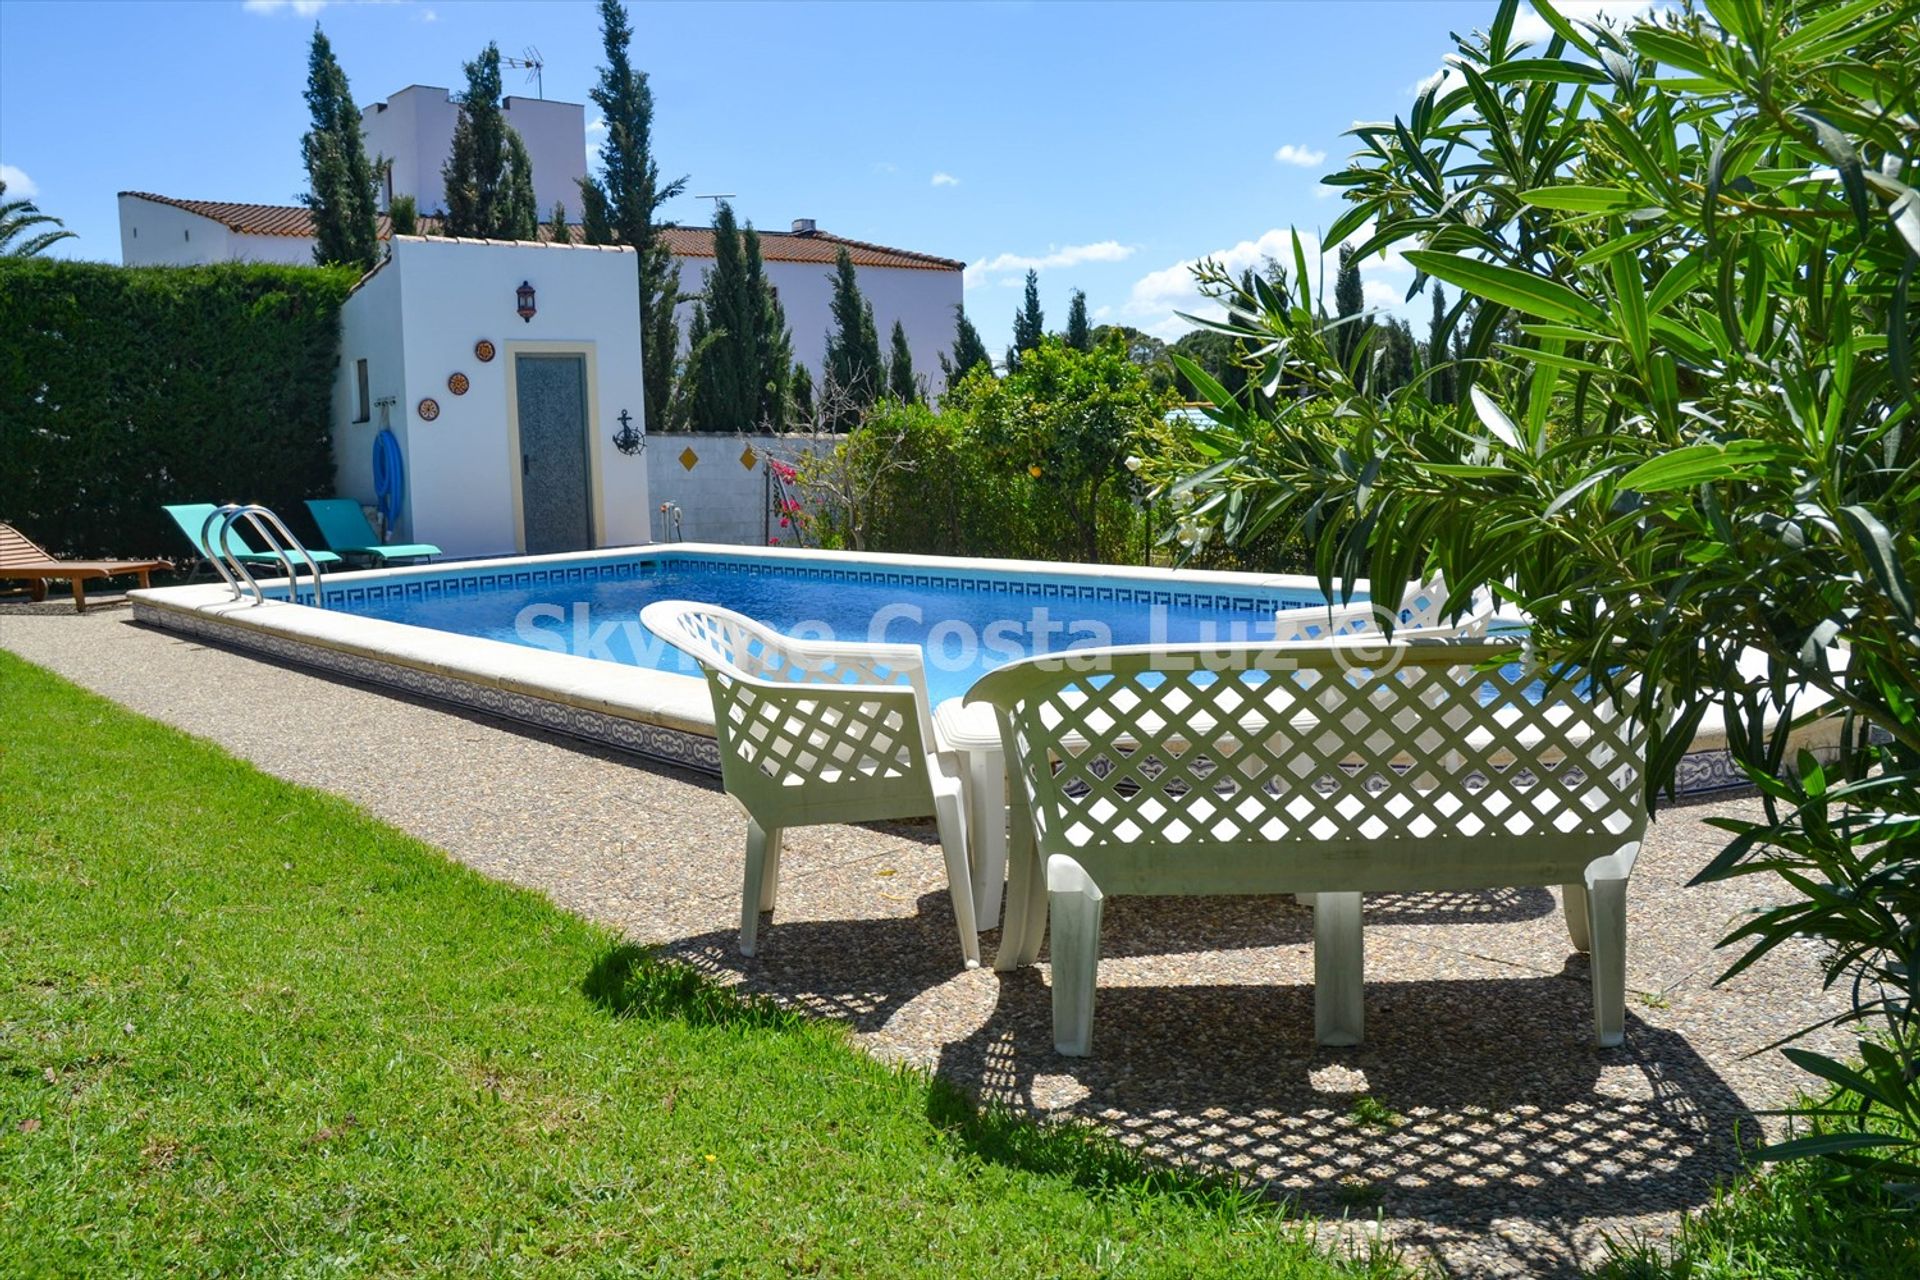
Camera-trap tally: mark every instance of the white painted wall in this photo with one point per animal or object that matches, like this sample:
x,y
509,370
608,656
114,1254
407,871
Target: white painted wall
x,y
923,301
154,234
720,498
443,297
414,129
370,330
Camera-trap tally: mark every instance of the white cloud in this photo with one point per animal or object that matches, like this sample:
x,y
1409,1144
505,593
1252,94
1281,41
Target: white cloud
x,y
597,125
1305,157
302,8
1531,27
1156,296
885,166
429,16
1066,256
945,180
19,185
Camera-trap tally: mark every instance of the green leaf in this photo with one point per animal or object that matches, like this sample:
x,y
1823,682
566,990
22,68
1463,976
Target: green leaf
x,y
1846,158
1876,545
1696,464
1566,30
1495,419
1581,199
1550,70
1521,290
1676,51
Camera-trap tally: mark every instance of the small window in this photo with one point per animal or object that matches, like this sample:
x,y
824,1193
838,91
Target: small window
x,y
363,407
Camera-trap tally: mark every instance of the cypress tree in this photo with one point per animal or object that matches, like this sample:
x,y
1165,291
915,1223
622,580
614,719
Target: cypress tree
x,y
901,384
1440,384
488,177
619,204
773,342
968,349
522,207
854,365
1029,324
724,397
1350,300
1079,332
801,394
558,232
340,180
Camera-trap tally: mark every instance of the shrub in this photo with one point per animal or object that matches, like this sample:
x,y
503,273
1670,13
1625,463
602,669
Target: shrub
x,y
123,388
1687,436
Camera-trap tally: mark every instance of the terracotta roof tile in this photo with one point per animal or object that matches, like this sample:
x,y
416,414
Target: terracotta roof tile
x,y
685,242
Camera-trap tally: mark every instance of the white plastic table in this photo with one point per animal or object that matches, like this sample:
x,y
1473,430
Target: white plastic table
x,y
973,733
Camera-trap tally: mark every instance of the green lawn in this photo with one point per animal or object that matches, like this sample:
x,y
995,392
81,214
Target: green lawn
x,y
247,1029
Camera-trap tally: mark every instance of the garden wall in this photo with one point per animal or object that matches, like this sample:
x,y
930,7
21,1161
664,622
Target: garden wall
x,y
720,484
125,388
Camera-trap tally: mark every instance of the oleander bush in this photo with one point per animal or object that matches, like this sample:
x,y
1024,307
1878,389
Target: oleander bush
x,y
1684,440
124,388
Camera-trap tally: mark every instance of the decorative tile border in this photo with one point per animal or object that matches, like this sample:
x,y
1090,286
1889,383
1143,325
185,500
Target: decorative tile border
x,y
444,583
656,742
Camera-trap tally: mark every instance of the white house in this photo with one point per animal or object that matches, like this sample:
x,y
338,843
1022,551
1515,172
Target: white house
x,y
507,374
918,289
413,130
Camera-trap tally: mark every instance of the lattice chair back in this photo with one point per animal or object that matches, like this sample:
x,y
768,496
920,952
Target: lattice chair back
x,y
1425,611
808,731
1291,769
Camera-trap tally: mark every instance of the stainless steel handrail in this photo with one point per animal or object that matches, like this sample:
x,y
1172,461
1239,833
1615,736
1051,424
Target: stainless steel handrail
x,y
281,545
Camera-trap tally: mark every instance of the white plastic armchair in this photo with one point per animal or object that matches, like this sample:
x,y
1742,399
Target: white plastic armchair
x,y
813,732
1255,769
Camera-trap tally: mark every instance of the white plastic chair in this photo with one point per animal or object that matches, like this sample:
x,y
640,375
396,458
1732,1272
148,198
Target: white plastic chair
x,y
1292,768
814,733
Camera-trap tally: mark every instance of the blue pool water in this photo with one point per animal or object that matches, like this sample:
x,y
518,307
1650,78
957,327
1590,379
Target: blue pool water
x,y
967,624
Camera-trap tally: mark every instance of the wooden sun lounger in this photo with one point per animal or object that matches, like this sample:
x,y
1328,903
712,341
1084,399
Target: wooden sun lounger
x,y
23,558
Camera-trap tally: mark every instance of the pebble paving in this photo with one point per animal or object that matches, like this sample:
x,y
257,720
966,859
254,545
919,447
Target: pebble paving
x,y
1478,1127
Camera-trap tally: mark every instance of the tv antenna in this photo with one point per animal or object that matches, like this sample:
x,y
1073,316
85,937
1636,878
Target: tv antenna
x,y
717,198
530,59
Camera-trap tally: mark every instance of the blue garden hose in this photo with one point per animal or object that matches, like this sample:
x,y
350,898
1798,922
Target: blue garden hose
x,y
389,479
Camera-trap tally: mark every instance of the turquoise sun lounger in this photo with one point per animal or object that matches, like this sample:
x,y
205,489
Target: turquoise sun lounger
x,y
191,517
344,525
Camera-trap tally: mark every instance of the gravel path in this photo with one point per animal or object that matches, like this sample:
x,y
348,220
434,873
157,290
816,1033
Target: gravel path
x,y
1506,1144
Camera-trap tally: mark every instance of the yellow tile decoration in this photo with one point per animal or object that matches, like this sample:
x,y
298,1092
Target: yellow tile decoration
x,y
748,457
688,457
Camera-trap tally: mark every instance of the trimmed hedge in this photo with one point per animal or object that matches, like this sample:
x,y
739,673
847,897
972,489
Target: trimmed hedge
x,y
124,388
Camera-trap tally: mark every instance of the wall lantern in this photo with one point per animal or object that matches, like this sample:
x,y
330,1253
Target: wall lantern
x,y
524,295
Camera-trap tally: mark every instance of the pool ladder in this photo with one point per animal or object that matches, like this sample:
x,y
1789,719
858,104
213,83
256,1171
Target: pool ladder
x,y
280,543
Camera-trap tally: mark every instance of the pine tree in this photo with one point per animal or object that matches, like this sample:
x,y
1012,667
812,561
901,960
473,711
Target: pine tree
x,y
968,349
1029,323
618,205
488,176
403,216
1397,357
854,365
558,232
1440,383
1079,332
340,181
901,384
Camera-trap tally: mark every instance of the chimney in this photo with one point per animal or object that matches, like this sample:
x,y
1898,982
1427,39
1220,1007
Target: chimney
x,y
803,226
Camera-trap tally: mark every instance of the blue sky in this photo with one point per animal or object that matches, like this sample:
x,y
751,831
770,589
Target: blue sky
x,y
1106,145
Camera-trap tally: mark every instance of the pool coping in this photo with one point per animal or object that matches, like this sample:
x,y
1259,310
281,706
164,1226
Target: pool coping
x,y
657,714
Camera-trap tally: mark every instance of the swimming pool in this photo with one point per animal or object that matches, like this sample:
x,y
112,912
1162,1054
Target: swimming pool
x,y
556,641
967,622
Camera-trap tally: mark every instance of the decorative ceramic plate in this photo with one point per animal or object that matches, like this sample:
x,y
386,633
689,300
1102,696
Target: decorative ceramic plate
x,y
457,383
483,351
429,410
